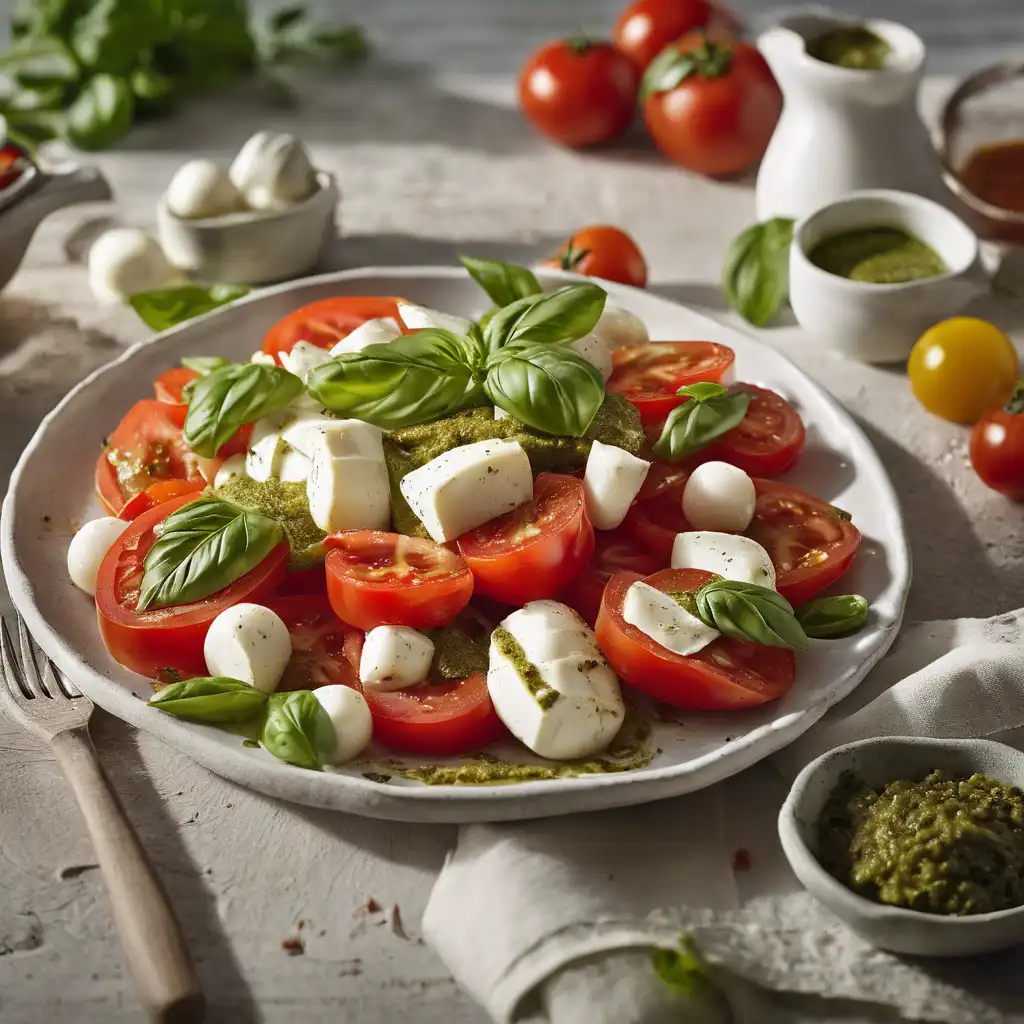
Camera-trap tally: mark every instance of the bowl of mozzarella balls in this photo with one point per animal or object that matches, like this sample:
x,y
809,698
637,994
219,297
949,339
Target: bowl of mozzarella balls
x,y
268,217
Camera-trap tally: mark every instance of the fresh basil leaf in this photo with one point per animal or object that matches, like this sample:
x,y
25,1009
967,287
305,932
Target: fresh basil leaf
x,y
690,980
204,547
212,699
110,34
546,387
413,379
296,729
755,278
152,90
549,318
827,617
204,364
746,611
672,66
164,308
287,17
702,390
503,282
101,113
696,423
227,398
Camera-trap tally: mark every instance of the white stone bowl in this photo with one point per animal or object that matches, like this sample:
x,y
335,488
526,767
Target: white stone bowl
x,y
252,246
879,761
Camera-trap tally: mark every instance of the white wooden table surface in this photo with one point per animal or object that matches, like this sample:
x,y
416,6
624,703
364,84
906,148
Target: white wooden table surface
x,y
430,164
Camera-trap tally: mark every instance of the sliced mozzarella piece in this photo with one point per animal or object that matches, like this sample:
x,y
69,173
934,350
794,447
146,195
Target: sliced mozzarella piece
x,y
250,643
202,188
467,486
547,630
89,547
718,496
728,554
500,414
612,480
619,328
381,331
419,317
124,261
349,437
294,467
665,621
348,486
595,350
264,358
394,657
266,446
350,716
303,357
229,468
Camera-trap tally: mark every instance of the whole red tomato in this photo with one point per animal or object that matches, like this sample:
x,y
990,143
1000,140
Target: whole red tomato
x,y
646,27
711,105
579,92
997,446
602,251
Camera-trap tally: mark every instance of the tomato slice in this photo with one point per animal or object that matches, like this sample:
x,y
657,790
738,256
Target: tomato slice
x,y
650,375
325,650
810,543
533,551
145,448
376,578
326,322
655,521
768,441
301,582
167,387
156,494
727,674
438,719
161,641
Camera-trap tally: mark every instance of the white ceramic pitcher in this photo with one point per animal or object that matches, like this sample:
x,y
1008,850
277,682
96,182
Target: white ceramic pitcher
x,y
843,130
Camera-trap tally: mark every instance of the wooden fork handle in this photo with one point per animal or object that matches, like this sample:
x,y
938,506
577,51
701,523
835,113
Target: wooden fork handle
x,y
154,946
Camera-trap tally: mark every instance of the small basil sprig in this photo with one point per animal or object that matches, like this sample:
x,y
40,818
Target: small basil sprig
x,y
204,547
229,397
503,282
550,318
212,699
755,278
671,67
746,611
709,413
296,729
204,364
828,617
167,307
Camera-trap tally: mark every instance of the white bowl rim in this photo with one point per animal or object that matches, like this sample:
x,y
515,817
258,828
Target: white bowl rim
x,y
853,903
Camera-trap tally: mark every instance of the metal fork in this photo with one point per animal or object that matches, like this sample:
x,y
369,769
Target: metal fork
x,y
49,707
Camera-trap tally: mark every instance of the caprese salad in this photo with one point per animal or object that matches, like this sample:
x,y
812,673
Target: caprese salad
x,y
398,523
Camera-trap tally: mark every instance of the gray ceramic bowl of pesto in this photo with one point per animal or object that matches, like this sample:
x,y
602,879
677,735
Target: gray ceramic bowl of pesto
x,y
878,762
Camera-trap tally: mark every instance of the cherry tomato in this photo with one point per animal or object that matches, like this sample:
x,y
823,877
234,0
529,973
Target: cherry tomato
x,y
156,494
997,447
654,522
769,440
726,675
961,368
650,375
578,92
167,387
325,650
326,322
145,448
602,251
160,639
533,551
719,118
376,578
810,542
646,27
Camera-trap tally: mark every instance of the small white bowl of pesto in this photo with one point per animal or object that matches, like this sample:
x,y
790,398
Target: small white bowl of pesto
x,y
916,844
871,272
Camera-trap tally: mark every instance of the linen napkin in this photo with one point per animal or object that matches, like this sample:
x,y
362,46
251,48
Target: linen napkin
x,y
558,921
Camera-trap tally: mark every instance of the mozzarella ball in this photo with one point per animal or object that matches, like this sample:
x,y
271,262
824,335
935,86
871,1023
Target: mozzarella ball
x,y
125,261
273,171
394,657
202,188
247,163
350,716
620,329
381,331
595,350
89,547
231,467
250,643
719,497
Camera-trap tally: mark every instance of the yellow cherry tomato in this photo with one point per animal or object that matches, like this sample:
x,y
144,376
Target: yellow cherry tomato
x,y
961,368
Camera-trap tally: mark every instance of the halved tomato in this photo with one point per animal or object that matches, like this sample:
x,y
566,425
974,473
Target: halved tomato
x,y
326,322
145,448
655,521
168,386
533,551
768,441
650,375
161,639
811,543
726,675
325,650
157,494
376,578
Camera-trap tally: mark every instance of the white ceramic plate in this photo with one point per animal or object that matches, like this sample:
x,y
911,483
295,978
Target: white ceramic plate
x,y
52,488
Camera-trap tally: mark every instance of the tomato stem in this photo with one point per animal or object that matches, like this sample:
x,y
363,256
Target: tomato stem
x,y
579,45
1015,403
570,258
